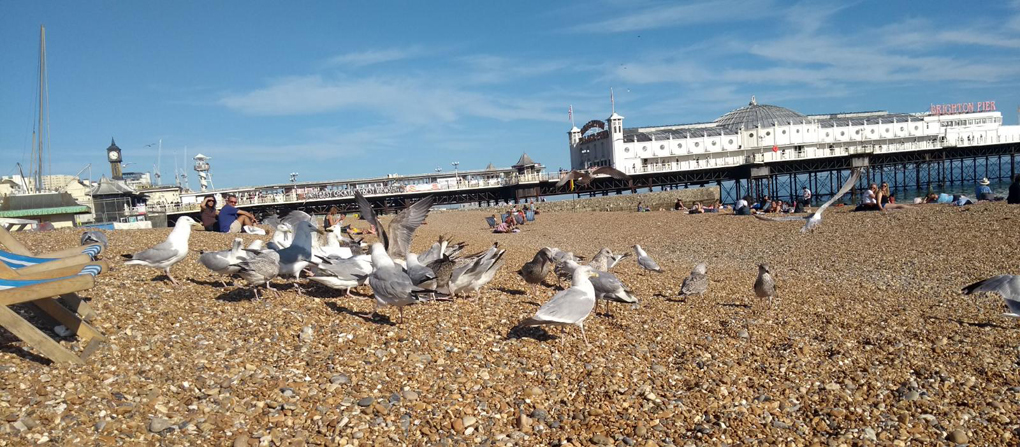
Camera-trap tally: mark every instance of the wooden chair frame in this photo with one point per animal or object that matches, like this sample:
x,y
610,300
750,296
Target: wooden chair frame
x,y
56,298
15,246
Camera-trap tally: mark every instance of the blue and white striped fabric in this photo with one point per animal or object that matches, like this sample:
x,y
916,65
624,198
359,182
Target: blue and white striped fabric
x,y
93,251
17,261
92,270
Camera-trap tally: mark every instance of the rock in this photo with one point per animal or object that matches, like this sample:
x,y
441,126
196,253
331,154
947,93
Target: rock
x,y
158,424
241,441
532,392
340,379
869,435
911,396
458,425
957,436
99,426
743,334
539,414
411,396
601,440
29,422
365,401
469,420
306,334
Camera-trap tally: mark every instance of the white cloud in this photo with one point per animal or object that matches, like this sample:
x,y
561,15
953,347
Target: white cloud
x,y
376,56
667,15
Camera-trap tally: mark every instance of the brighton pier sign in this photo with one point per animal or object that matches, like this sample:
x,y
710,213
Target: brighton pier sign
x,y
963,107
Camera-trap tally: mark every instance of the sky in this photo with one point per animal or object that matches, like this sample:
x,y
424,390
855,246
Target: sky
x,y
342,90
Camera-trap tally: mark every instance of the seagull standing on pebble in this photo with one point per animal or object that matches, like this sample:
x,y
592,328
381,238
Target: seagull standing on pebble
x,y
697,282
765,286
645,261
569,307
168,253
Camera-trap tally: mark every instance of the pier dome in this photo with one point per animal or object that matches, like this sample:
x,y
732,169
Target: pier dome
x,y
754,114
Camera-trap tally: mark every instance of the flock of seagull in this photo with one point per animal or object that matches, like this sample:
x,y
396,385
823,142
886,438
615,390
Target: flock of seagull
x,y
399,278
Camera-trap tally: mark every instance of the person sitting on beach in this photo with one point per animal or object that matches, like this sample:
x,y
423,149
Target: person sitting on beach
x,y
696,209
766,205
333,218
210,218
679,205
869,200
785,207
1014,192
741,208
233,220
983,191
640,206
884,197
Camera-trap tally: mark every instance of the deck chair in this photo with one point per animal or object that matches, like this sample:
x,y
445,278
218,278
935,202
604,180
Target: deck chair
x,y
502,217
57,298
519,219
31,264
491,221
530,215
13,246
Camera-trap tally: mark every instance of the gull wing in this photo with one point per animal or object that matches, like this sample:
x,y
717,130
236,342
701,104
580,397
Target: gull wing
x,y
1007,286
780,218
610,171
842,191
402,227
369,216
573,175
567,307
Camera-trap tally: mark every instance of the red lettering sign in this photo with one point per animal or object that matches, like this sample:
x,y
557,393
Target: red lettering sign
x,y
963,107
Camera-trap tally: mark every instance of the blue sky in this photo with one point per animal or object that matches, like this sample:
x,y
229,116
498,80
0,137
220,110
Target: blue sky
x,y
360,89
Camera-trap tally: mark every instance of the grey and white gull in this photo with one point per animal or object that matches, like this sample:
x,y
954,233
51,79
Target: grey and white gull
x,y
569,307
169,252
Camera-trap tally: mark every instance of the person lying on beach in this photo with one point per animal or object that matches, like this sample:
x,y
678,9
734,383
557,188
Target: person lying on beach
x,y
696,209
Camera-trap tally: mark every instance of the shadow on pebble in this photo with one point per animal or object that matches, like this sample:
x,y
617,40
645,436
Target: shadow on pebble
x,y
535,333
377,319
514,292
240,294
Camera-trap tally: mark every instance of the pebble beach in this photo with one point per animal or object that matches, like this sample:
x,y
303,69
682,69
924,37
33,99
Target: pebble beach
x,y
869,343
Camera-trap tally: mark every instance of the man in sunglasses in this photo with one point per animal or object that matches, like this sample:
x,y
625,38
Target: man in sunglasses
x,y
233,220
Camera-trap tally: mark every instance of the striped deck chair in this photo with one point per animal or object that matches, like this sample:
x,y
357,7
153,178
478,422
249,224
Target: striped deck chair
x,y
519,219
57,298
31,264
13,246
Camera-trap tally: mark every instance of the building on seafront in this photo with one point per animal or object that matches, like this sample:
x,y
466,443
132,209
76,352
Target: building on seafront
x,y
762,133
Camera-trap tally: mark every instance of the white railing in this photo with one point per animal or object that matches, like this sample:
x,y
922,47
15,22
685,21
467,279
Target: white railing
x,y
325,195
762,155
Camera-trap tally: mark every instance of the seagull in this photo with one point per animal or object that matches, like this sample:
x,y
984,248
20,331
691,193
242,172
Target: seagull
x,y
94,237
396,238
585,177
281,238
420,275
765,286
605,260
342,273
332,247
439,248
1007,286
568,307
298,254
534,271
645,261
168,253
260,269
608,287
815,219
697,282
390,285
472,276
225,262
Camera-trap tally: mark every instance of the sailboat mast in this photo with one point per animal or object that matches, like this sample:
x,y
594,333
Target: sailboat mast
x,y
42,105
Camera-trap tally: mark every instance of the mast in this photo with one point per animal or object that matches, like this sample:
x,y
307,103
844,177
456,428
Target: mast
x,y
37,137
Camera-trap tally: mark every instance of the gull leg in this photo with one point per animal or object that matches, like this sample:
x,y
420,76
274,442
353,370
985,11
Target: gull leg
x,y
256,291
224,283
583,336
348,292
172,280
401,310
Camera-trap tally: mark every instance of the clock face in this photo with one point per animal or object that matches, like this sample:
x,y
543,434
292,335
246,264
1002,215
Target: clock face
x,y
114,156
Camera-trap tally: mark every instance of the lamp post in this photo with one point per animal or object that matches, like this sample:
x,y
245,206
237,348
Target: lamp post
x,y
293,177
456,173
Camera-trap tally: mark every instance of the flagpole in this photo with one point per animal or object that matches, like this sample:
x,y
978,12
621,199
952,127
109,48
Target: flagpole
x,y
612,99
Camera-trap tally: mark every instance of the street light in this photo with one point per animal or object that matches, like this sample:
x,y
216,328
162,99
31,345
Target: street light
x,y
456,173
293,177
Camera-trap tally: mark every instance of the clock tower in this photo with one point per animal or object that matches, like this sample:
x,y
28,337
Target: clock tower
x,y
113,156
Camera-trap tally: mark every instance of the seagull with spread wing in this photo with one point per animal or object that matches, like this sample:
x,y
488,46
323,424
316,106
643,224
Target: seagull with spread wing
x,y
815,219
585,177
1007,286
396,238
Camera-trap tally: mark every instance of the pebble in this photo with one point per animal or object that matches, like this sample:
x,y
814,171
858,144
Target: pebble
x,y
957,436
340,379
411,396
365,401
743,334
241,441
158,424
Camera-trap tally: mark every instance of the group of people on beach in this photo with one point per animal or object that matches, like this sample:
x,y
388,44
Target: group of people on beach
x,y
514,218
228,219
